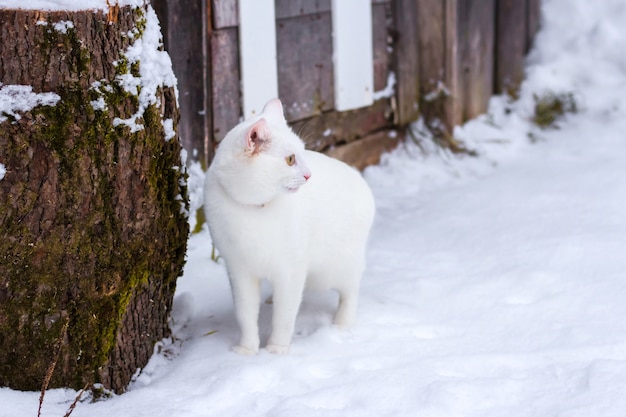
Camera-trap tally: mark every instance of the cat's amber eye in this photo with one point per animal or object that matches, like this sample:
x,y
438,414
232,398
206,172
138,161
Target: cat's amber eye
x,y
291,160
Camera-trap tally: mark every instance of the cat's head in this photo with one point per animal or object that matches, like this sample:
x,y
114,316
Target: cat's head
x,y
261,158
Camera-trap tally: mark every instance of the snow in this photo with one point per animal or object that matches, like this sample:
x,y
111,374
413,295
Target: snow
x,y
98,104
71,5
495,284
21,98
155,70
195,185
389,90
168,128
3,171
63,26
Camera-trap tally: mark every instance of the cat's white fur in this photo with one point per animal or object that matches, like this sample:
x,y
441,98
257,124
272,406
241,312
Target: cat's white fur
x,y
299,225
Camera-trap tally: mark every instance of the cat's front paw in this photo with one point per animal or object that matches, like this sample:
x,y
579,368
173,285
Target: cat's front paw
x,y
244,350
343,322
277,349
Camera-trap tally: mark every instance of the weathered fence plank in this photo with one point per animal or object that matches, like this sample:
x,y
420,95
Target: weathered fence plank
x,y
186,36
366,151
305,66
510,45
226,106
430,22
452,78
225,13
533,20
382,59
332,128
476,32
432,47
294,8
207,34
185,43
406,60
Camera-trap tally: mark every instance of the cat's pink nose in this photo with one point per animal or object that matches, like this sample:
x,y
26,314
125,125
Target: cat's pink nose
x,y
307,176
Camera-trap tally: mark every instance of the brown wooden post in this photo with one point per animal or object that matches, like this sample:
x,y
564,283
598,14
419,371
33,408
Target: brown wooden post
x,y
305,65
225,95
511,44
432,50
207,60
183,30
406,54
476,31
453,106
380,33
533,20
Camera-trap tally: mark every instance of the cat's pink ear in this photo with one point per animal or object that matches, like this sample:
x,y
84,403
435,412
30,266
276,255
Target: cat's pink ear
x,y
258,137
274,110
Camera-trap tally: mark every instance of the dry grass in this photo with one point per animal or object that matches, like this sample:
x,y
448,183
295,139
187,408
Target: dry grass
x,y
551,107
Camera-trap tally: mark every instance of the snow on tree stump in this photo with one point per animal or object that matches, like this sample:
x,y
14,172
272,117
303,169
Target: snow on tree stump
x,y
93,202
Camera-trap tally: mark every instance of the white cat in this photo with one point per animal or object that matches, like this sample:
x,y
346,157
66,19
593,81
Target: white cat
x,y
294,217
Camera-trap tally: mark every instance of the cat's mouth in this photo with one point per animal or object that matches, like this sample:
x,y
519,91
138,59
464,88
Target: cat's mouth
x,y
292,186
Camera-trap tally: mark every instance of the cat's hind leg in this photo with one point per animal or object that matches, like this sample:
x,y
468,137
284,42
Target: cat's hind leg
x,y
346,311
247,297
348,289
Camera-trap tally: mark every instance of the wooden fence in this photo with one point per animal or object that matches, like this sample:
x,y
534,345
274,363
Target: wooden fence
x,y
441,59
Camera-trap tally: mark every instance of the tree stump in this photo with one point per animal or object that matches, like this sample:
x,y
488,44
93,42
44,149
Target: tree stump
x,y
93,201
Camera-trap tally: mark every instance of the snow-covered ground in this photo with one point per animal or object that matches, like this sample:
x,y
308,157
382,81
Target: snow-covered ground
x,y
496,285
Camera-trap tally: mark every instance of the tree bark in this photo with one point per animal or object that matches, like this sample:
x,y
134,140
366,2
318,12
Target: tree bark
x,y
93,228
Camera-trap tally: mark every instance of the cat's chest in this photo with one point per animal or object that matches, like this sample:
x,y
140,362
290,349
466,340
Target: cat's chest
x,y
262,235
262,225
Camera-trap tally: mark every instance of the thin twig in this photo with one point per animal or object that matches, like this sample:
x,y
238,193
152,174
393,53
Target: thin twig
x,y
50,371
76,400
